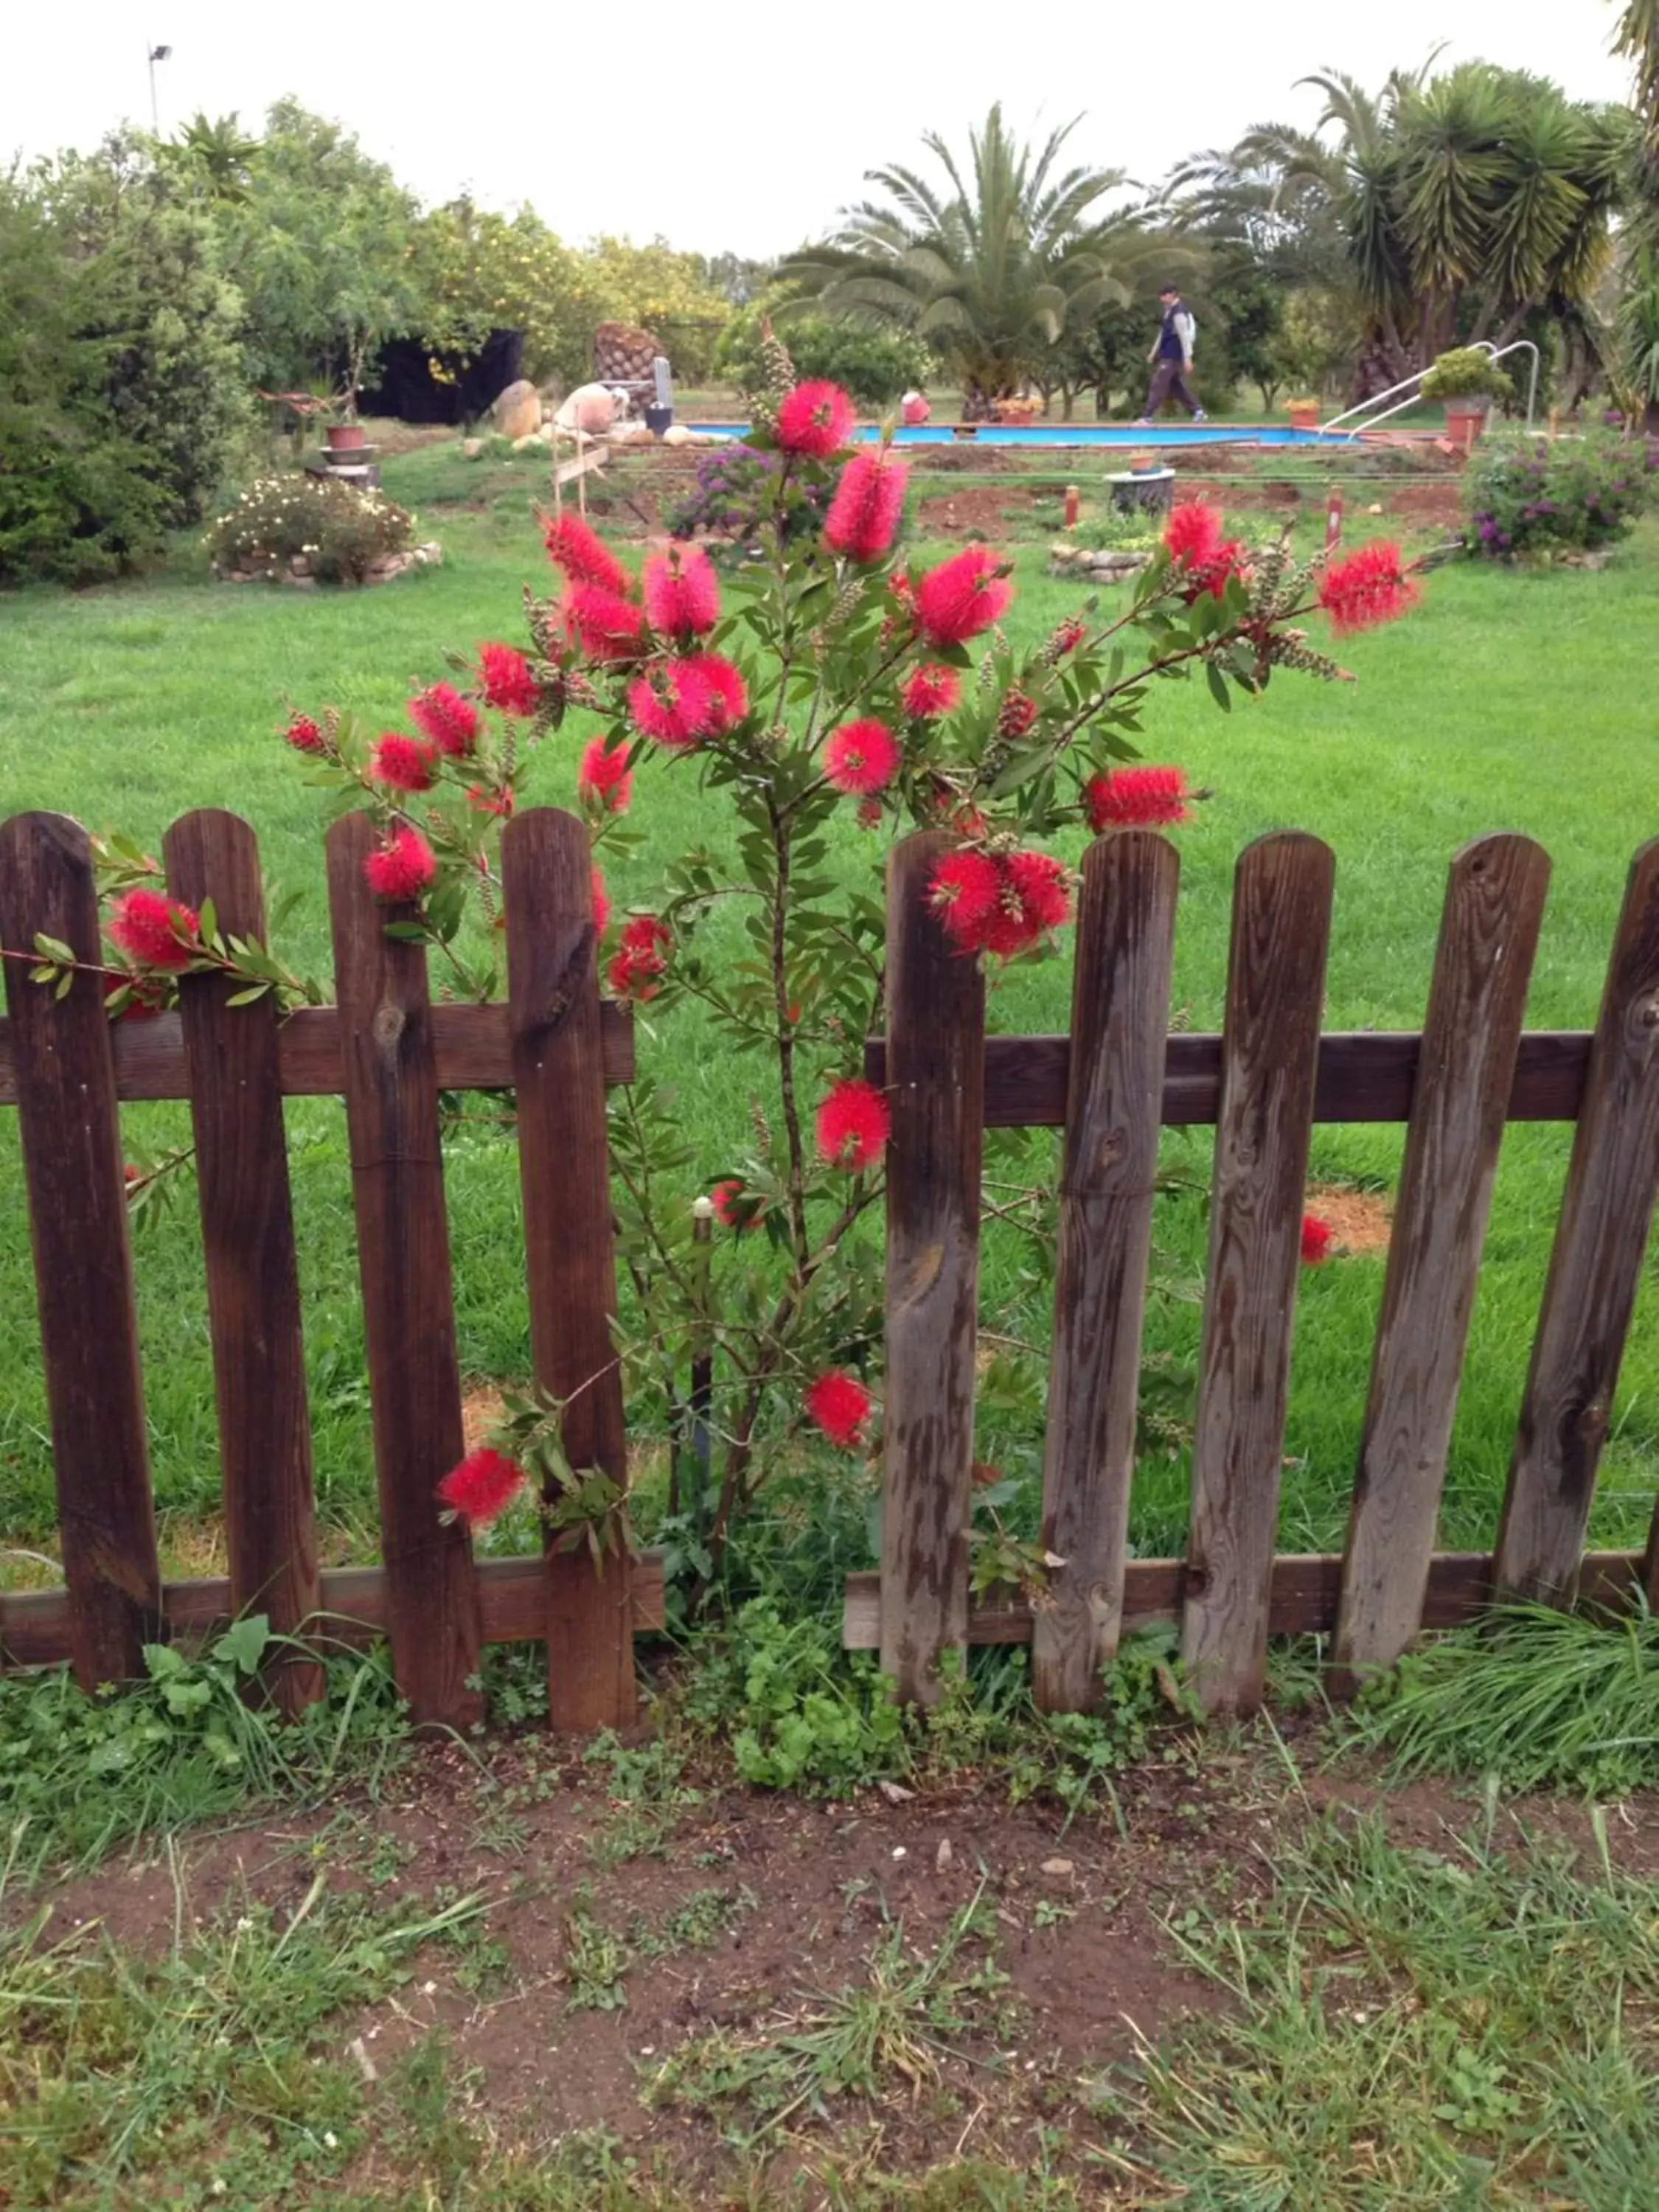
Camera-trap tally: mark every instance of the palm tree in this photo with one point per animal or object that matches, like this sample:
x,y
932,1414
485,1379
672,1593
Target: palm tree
x,y
990,269
1467,201
217,153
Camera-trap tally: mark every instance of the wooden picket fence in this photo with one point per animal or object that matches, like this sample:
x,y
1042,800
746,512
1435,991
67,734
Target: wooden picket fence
x,y
1263,1082
389,1050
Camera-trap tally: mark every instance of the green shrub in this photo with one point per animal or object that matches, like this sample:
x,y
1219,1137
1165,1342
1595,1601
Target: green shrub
x,y
875,366
1535,494
1466,372
341,530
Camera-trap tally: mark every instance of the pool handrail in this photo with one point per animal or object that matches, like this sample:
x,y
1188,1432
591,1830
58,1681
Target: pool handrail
x,y
1410,386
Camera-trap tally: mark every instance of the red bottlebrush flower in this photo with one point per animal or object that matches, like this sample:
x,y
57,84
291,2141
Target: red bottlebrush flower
x,y
304,735
840,1404
1136,798
403,867
673,702
734,1208
606,626
1034,894
1368,587
852,1125
1067,637
481,1487
449,722
869,814
146,996
962,597
1016,715
402,764
816,419
641,957
579,550
861,757
864,515
682,593
931,690
601,902
1192,533
604,783
483,800
505,680
155,930
1318,1239
963,892
730,693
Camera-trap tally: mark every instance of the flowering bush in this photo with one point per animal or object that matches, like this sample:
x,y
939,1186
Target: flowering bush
x,y
826,675
1538,495
736,496
341,530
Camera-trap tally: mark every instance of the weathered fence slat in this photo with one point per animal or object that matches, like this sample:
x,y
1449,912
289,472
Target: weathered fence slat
x,y
1595,1264
1477,1000
1119,1013
553,993
248,1243
409,1314
69,1126
1275,981
935,1077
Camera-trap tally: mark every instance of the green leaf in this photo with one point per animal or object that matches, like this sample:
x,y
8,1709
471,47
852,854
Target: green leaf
x,y
1217,684
207,916
246,998
246,1642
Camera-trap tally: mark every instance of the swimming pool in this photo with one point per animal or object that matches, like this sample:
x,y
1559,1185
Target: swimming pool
x,y
1084,434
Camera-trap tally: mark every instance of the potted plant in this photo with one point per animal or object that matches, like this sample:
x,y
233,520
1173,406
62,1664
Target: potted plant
x,y
1305,414
1465,383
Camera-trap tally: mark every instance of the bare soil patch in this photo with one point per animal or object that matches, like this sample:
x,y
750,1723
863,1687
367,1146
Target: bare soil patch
x,y
1360,1220
753,1908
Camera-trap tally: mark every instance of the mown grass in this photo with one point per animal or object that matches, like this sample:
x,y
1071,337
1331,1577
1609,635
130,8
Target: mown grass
x,y
1517,701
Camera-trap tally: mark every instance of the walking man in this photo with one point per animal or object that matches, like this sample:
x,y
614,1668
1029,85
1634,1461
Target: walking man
x,y
1172,357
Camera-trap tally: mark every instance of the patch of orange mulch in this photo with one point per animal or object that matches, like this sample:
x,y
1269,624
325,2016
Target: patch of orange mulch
x,y
1360,1221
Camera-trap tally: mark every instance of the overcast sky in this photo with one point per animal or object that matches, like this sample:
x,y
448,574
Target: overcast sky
x,y
742,127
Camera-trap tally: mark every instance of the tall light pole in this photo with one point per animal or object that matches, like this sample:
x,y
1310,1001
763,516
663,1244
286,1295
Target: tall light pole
x,y
155,54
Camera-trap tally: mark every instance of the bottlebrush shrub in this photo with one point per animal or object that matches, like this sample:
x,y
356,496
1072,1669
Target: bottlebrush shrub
x,y
792,692
1526,494
341,530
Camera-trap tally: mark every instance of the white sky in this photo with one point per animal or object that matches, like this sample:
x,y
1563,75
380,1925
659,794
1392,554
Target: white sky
x,y
745,125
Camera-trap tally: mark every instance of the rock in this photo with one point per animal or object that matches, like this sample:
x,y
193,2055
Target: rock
x,y
298,566
529,443
944,1857
1057,1867
895,1792
300,583
590,408
472,449
677,434
429,555
517,412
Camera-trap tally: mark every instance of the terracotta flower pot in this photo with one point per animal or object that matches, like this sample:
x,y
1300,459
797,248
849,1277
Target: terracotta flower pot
x,y
345,437
1304,414
1466,419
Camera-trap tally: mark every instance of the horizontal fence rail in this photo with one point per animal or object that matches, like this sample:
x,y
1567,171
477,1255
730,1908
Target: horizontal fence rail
x,y
1363,1075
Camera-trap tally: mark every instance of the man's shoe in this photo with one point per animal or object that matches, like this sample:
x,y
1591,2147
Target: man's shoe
x,y
1198,416
1143,422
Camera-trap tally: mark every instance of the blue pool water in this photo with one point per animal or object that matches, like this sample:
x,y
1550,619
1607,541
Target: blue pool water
x,y
1085,434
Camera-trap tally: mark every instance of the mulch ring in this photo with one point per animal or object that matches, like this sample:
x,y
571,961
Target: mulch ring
x,y
793,1901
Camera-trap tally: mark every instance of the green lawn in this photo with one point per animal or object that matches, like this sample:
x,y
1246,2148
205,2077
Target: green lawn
x,y
1515,702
